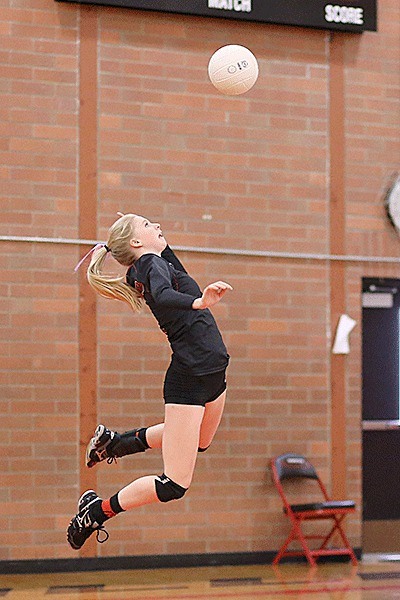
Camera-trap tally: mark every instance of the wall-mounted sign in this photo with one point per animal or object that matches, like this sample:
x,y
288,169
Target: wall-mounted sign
x,y
346,15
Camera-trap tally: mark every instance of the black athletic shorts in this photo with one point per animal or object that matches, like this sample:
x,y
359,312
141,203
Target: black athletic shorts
x,y
198,390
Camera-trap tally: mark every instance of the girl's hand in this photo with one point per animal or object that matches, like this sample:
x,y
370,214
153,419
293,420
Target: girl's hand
x,y
211,295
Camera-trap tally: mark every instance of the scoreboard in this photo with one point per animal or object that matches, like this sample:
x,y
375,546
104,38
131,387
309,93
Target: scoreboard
x,y
344,15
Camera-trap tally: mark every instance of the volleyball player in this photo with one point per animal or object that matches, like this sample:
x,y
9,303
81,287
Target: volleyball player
x,y
194,384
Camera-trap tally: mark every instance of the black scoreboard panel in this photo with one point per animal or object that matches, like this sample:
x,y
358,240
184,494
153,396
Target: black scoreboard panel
x,y
346,15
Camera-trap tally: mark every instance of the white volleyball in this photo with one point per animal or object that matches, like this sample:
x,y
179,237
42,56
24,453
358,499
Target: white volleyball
x,y
233,70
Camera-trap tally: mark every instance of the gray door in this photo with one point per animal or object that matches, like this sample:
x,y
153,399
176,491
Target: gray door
x,y
380,413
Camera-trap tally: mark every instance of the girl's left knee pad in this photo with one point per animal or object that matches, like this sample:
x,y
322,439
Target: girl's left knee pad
x,y
167,490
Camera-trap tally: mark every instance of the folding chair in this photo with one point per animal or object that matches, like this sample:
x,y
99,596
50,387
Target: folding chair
x,y
296,467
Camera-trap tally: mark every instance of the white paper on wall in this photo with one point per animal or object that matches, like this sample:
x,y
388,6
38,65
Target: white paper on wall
x,y
345,326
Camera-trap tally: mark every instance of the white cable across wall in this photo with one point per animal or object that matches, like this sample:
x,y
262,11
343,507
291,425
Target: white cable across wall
x,y
224,251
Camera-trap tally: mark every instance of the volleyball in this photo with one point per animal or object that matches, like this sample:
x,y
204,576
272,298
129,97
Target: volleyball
x,y
233,70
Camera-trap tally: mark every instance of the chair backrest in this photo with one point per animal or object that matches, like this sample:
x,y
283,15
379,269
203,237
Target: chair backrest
x,y
293,466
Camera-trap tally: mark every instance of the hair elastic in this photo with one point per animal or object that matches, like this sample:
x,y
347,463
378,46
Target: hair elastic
x,y
95,247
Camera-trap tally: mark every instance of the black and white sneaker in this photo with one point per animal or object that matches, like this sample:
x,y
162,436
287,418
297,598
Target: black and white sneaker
x,y
109,445
82,525
96,450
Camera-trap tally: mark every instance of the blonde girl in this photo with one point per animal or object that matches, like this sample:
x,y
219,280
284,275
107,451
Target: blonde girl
x,y
194,385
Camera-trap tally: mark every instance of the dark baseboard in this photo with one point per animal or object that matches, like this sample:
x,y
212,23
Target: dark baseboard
x,y
116,563
165,561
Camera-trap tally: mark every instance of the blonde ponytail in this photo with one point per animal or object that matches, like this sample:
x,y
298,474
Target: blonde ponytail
x,y
118,244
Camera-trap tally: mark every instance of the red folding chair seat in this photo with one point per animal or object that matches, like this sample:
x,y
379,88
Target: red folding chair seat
x,y
296,467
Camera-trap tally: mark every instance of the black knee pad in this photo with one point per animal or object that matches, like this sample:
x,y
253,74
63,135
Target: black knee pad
x,y
167,490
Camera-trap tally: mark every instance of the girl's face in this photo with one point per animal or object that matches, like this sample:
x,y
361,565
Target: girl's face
x,y
147,235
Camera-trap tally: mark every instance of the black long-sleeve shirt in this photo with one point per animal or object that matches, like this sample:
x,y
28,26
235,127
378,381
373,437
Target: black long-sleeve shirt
x,y
168,290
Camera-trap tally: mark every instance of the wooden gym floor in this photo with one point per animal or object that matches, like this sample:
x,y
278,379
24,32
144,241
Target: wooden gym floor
x,y
333,581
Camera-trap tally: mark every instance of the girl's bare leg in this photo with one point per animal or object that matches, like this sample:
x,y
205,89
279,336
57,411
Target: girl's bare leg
x,y
154,435
211,420
180,440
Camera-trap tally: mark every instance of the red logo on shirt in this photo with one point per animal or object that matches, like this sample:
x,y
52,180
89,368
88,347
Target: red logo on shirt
x,y
139,287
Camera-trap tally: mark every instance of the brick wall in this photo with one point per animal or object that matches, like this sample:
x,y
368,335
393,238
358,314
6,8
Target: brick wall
x,y
249,173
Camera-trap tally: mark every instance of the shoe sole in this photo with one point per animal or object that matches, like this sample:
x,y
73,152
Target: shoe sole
x,y
71,542
92,445
98,433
